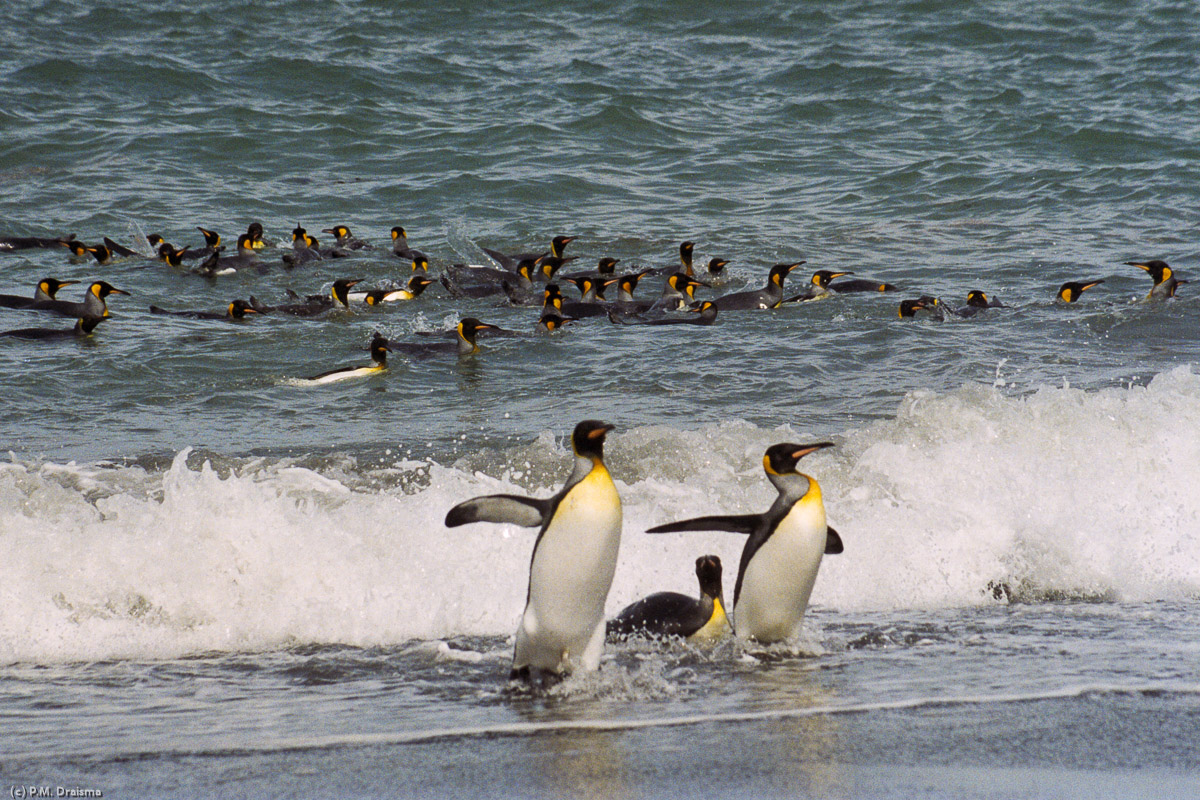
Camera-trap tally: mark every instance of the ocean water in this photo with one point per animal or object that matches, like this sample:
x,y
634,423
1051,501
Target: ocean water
x,y
219,582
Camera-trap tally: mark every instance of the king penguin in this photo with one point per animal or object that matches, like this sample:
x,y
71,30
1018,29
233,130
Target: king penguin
x,y
1070,291
780,560
574,559
673,614
1165,282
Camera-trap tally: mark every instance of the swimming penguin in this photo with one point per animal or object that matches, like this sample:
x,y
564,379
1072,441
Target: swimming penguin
x,y
705,314
345,239
83,328
667,614
314,304
716,267
574,559
11,244
1165,282
238,309
245,258
211,240
551,321
977,301
79,251
780,560
509,262
464,343
861,285
818,288
1070,291
589,304
607,265
416,285
255,231
420,262
769,296
46,289
379,351
170,255
94,302
463,280
400,247
102,253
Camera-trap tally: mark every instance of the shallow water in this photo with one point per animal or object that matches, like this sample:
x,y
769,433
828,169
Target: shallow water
x,y
202,557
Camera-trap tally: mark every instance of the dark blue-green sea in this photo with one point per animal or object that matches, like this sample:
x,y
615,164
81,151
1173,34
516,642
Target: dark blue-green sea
x,y
217,580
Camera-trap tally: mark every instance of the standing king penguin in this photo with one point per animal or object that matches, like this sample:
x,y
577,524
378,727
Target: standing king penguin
x,y
780,560
574,559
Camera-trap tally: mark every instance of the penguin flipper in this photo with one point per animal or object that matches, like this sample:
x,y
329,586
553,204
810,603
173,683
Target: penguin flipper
x,y
833,542
737,523
528,512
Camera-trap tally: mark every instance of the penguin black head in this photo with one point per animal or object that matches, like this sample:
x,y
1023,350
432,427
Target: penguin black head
x,y
155,240
977,299
551,321
909,308
398,233
685,253
583,283
211,238
781,459
50,286
299,233
238,309
245,243
341,290
607,265
1159,270
588,438
170,255
418,284
549,265
682,282
420,262
1070,291
822,277
380,347
468,327
558,243
103,289
337,231
255,229
708,572
78,249
717,265
101,253
780,271
85,325
552,297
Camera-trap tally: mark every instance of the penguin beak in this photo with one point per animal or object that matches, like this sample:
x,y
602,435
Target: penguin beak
x,y
839,274
599,433
805,449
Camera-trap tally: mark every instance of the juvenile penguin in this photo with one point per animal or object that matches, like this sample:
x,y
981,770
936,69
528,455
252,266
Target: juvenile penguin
x,y
770,296
574,559
1070,291
780,560
1165,282
673,614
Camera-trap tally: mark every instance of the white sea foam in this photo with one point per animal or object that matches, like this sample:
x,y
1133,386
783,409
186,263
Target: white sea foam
x,y
1058,493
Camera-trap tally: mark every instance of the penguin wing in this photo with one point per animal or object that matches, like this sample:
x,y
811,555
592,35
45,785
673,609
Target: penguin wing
x,y
527,512
833,542
737,523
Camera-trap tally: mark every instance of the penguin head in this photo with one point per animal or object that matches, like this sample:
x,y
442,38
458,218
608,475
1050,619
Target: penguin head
x,y
85,325
1069,292
398,233
551,321
380,347
706,307
155,240
238,309
50,286
525,268
420,262
584,284
375,296
1175,287
552,297
1159,270
685,253
170,255
78,249
103,289
255,229
822,277
708,572
780,271
977,299
245,243
588,438
627,283
418,284
781,459
682,282
909,308
558,243
101,253
211,238
467,329
607,265
338,231
299,234
549,266
717,265
341,290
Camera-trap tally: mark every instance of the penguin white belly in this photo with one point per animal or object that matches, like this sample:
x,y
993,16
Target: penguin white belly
x,y
779,578
563,625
